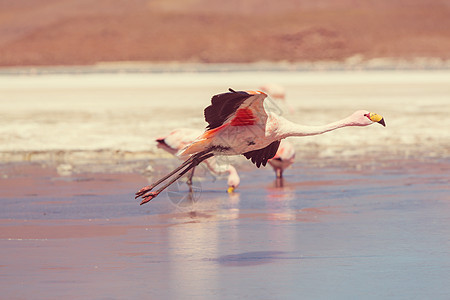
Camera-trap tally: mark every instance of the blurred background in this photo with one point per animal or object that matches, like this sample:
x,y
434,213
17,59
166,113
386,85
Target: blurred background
x,y
82,32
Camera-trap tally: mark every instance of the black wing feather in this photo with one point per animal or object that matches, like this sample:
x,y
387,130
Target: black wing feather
x,y
261,156
222,106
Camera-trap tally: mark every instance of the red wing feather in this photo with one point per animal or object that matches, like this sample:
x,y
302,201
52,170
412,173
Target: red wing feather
x,y
227,105
223,106
243,117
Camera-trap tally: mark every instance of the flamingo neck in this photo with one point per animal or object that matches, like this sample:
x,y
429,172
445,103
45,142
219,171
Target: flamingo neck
x,y
231,171
293,129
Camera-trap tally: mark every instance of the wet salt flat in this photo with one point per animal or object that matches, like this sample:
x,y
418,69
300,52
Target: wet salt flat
x,y
363,213
122,113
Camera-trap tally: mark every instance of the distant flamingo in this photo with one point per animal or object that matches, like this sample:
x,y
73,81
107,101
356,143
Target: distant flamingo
x,y
180,138
283,158
278,93
239,124
274,90
285,155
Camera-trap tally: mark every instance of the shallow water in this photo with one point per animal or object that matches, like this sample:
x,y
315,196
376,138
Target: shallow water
x,y
334,232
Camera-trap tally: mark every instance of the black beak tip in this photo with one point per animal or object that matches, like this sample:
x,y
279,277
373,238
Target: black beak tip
x,y
382,122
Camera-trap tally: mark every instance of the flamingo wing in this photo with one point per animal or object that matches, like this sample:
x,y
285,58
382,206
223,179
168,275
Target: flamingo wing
x,y
261,156
242,108
236,108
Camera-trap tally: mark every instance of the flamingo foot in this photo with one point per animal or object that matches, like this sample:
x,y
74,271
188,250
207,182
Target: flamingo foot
x,y
149,196
143,191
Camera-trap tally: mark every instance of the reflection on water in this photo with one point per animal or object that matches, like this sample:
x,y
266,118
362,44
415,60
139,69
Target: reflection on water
x,y
189,244
331,233
279,182
281,189
278,201
249,258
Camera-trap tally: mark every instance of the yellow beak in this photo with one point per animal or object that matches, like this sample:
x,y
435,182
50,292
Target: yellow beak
x,y
230,190
377,118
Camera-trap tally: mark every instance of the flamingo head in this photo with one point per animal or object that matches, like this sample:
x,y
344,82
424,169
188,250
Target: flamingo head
x,y
364,118
233,179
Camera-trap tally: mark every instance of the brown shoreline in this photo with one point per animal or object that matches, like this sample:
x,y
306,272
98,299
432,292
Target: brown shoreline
x,y
45,33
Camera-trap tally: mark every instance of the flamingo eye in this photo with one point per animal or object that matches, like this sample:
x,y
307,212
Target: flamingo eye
x,y
367,115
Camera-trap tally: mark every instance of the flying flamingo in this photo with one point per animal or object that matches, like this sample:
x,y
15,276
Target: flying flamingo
x,y
239,124
283,158
180,138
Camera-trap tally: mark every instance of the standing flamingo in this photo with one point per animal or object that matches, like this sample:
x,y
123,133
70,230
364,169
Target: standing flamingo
x,y
180,138
239,124
278,94
274,90
283,159
285,155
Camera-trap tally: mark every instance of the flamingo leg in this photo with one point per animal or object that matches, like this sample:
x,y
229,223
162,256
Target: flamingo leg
x,y
279,173
150,187
146,197
191,175
189,183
